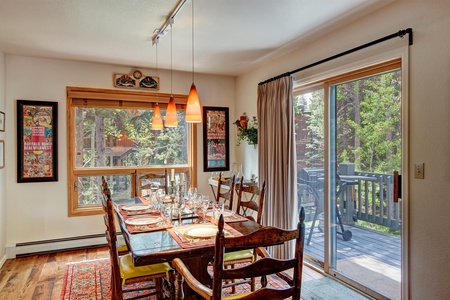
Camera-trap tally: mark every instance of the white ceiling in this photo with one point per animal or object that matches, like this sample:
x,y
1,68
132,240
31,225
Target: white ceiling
x,y
230,36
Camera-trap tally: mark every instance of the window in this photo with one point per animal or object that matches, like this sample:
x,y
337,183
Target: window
x,y
109,135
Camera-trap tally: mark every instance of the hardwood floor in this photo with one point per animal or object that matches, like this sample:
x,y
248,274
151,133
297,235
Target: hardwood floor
x,y
40,277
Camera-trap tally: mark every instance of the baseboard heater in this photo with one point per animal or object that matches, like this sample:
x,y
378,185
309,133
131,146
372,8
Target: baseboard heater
x,y
56,245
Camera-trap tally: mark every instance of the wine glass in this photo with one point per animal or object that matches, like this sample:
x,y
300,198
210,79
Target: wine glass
x,y
192,193
161,195
204,205
218,209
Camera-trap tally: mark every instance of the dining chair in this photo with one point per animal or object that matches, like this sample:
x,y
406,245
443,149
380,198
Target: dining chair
x,y
147,181
245,208
225,194
122,247
265,266
248,208
123,271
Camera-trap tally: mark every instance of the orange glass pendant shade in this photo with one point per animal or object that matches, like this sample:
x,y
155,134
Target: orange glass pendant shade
x,y
171,114
193,110
157,122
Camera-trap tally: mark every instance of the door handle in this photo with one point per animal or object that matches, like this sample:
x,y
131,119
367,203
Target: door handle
x,y
397,186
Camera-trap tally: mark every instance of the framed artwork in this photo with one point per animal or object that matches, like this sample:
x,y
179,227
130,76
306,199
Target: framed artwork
x,y
136,80
216,149
2,154
37,141
2,121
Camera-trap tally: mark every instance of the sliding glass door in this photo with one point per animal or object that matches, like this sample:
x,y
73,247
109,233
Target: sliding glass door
x,y
348,147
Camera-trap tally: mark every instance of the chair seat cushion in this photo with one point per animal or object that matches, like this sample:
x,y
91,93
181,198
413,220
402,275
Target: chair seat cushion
x,y
237,255
121,245
238,296
128,270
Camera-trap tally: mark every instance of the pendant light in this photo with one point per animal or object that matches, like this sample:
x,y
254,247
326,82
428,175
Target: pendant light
x,y
157,122
193,110
171,111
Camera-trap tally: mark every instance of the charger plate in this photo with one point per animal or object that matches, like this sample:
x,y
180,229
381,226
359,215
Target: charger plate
x,y
203,232
139,221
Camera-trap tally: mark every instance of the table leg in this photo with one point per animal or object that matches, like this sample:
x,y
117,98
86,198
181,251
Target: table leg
x,y
198,266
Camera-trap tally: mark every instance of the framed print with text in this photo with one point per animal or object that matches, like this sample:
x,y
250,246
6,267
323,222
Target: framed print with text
x,y
216,149
37,141
2,154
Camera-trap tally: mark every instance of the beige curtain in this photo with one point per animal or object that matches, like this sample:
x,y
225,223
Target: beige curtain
x,y
277,156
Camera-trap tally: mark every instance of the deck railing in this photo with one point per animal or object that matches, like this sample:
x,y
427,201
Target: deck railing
x,y
369,197
374,200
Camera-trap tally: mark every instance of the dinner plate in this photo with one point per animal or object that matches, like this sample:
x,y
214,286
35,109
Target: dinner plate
x,y
135,207
201,232
227,213
136,221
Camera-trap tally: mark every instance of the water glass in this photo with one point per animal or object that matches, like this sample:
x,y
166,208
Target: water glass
x,y
167,212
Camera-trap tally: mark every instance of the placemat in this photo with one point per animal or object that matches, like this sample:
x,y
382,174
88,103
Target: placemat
x,y
228,219
178,234
137,212
146,228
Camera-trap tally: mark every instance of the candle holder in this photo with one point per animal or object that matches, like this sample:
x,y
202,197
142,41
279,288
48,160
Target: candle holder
x,y
172,190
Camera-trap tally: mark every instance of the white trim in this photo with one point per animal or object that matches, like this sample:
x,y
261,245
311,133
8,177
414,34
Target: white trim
x,y
404,51
347,66
2,261
13,250
351,66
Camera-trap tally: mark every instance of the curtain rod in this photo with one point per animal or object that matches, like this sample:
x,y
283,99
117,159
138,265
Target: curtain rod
x,y
400,33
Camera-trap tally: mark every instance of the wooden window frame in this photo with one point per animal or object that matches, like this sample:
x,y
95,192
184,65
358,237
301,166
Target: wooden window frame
x,y
93,97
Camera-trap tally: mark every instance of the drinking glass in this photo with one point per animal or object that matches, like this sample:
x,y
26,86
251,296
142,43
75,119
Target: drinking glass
x,y
218,209
192,193
204,205
167,212
161,195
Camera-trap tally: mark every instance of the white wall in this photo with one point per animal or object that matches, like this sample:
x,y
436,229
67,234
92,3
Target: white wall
x,y
38,211
2,171
429,110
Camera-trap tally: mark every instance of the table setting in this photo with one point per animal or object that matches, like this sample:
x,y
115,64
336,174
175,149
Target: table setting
x,y
158,211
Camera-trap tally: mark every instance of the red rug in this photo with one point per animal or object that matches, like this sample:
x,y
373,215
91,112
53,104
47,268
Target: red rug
x,y
92,280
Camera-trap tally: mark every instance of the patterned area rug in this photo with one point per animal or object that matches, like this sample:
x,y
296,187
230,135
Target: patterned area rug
x,y
92,280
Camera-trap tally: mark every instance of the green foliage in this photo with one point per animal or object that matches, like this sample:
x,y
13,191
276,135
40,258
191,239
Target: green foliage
x,y
368,124
249,133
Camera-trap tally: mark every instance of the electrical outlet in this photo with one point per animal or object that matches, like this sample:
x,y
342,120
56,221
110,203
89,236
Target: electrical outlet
x,y
418,170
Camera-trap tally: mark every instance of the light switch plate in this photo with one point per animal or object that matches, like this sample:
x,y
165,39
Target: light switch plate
x,y
419,170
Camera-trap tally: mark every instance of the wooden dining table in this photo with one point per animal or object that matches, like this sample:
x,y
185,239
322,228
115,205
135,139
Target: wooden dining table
x,y
160,246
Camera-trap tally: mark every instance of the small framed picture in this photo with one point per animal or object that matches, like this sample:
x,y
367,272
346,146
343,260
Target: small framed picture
x,y
2,121
2,154
216,150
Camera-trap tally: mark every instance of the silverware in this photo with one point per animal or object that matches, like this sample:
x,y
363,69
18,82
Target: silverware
x,y
182,237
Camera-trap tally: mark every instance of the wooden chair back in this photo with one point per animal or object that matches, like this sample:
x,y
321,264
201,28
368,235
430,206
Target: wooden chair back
x,y
111,237
252,205
147,181
227,194
264,237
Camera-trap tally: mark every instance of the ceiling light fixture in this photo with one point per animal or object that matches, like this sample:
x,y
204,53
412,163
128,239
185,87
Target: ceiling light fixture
x,y
162,31
193,110
171,111
157,122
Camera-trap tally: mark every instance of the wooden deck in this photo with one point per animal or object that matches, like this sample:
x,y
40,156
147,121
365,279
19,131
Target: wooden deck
x,y
377,245
371,257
